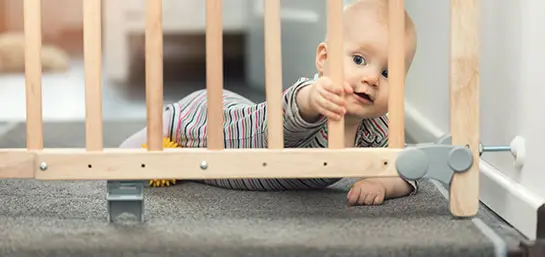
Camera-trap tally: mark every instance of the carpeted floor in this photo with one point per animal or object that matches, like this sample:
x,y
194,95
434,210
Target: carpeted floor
x,y
57,218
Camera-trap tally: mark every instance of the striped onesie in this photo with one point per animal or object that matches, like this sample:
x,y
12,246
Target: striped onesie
x,y
245,126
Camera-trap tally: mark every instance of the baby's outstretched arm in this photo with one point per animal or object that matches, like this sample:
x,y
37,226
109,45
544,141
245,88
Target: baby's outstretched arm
x,y
322,99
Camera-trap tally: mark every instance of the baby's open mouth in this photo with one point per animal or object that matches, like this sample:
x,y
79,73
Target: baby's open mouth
x,y
365,96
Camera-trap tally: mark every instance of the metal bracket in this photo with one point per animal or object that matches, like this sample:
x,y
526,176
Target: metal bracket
x,y
441,159
125,197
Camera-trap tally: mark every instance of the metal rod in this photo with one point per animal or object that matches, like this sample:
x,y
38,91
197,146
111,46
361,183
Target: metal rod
x,y
483,148
496,148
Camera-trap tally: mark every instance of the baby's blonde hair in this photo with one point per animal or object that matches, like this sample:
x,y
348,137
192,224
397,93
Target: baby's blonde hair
x,y
380,9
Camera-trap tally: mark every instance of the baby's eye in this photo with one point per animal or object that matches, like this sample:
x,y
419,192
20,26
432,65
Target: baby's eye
x,y
385,73
358,60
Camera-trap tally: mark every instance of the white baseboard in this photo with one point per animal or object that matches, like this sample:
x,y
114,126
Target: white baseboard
x,y
419,128
508,199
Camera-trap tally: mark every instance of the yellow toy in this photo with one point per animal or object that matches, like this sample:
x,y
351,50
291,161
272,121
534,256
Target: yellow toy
x,y
167,143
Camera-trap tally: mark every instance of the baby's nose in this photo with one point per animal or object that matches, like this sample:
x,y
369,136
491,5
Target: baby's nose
x,y
371,80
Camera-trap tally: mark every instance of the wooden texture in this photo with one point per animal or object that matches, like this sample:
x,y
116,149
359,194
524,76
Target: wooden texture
x,y
17,163
185,163
154,74
464,102
335,71
33,74
214,74
396,74
92,49
4,16
273,74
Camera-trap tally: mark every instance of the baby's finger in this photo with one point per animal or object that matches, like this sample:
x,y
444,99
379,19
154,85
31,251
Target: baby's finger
x,y
353,196
329,114
379,199
337,99
348,89
330,106
368,198
328,85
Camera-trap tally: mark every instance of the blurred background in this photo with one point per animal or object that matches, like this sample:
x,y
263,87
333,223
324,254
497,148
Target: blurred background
x,y
124,47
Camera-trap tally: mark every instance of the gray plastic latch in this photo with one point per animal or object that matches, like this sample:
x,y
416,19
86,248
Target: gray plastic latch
x,y
446,139
434,161
125,197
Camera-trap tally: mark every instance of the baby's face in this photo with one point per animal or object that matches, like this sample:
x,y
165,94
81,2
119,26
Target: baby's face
x,y
366,66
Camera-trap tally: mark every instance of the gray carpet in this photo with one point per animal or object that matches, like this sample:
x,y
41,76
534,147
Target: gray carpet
x,y
55,218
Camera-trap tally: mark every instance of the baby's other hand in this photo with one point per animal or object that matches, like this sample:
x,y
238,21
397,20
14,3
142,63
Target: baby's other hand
x,y
326,99
366,192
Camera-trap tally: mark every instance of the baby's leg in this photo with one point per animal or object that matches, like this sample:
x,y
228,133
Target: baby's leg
x,y
137,139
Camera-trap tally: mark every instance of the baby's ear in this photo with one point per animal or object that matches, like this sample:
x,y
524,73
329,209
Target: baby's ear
x,y
321,57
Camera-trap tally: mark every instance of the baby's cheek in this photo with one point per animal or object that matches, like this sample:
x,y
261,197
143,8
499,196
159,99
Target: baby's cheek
x,y
381,104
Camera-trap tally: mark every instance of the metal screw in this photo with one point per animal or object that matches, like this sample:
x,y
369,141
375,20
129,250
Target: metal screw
x,y
493,148
204,165
43,166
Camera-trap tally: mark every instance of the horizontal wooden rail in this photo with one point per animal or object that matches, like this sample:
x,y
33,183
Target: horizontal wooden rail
x,y
17,163
197,163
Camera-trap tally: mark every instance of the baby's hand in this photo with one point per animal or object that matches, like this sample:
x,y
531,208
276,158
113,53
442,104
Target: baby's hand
x,y
366,192
325,98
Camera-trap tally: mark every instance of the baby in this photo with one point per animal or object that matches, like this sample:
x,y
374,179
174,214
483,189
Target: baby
x,y
308,104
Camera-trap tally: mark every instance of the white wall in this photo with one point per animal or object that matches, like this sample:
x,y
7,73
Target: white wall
x,y
302,31
512,94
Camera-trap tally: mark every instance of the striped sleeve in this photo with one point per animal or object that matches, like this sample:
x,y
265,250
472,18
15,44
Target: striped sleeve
x,y
296,129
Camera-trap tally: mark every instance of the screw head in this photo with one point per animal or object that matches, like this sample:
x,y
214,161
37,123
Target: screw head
x,y
43,166
460,159
204,165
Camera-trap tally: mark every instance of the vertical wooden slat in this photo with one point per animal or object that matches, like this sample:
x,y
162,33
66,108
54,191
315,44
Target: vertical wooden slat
x,y
154,74
33,73
464,101
214,73
273,74
92,44
396,74
3,16
335,64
